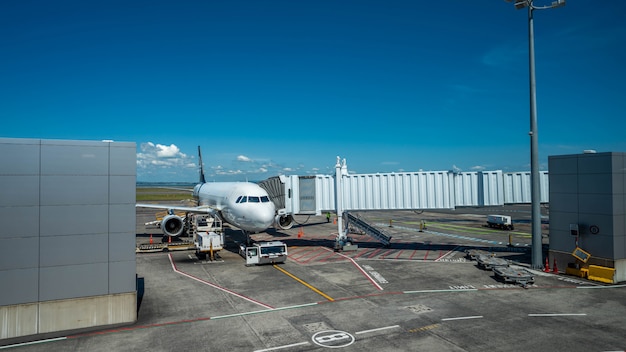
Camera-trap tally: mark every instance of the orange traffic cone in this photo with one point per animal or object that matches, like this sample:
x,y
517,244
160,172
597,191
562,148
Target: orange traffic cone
x,y
150,238
300,233
547,268
554,268
169,240
334,221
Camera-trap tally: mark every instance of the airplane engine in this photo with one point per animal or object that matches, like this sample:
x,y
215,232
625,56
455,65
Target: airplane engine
x,y
172,225
284,222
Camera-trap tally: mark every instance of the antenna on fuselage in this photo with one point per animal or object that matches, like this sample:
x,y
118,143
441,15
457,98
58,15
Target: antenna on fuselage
x,y
202,179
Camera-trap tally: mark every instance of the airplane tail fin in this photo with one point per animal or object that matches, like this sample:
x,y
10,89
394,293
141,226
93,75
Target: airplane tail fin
x,y
202,179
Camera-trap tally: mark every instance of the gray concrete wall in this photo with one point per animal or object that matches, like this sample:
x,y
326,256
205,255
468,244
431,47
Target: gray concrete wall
x,y
68,215
589,190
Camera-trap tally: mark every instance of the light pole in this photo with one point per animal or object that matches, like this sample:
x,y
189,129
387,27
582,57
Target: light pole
x,y
535,197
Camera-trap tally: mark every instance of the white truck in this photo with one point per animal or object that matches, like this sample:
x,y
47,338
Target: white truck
x,y
500,222
272,252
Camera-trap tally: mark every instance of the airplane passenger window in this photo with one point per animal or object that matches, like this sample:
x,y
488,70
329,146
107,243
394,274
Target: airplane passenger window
x,y
265,199
253,199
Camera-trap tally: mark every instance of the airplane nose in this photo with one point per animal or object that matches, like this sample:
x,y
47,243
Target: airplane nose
x,y
267,215
263,218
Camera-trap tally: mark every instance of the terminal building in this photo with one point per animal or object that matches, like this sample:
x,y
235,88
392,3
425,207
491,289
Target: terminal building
x,y
67,240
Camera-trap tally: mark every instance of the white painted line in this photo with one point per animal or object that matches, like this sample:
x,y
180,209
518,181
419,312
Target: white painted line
x,y
450,252
557,315
262,311
374,330
282,347
376,274
463,318
434,291
32,343
614,286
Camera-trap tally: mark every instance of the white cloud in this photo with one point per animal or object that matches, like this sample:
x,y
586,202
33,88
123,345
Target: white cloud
x,y
159,156
223,172
163,162
171,151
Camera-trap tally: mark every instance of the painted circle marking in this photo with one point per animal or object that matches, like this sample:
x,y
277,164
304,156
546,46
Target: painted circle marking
x,y
333,339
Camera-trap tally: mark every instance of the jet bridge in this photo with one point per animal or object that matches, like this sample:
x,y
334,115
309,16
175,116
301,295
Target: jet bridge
x,y
314,195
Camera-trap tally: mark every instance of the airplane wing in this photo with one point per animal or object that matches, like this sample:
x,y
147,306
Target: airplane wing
x,y
198,210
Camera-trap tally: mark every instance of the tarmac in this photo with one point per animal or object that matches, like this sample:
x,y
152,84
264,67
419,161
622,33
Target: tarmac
x,y
421,293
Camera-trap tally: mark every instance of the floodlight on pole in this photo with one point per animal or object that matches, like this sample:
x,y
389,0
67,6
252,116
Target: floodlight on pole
x,y
535,198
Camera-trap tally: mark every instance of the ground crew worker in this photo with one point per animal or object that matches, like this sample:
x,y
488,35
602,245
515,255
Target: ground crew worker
x,y
328,217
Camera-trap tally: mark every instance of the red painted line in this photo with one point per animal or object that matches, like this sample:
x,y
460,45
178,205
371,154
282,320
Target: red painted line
x,y
426,255
185,321
217,286
360,269
400,252
440,255
321,251
413,254
365,296
304,254
360,254
389,251
331,255
293,259
374,253
296,251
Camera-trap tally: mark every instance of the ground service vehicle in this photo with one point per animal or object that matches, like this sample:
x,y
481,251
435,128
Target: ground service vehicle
x,y
500,222
272,252
208,235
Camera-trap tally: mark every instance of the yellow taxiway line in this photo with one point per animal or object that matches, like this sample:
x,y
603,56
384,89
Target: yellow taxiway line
x,y
304,283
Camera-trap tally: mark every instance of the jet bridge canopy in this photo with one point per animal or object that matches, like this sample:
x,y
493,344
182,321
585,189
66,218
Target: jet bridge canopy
x,y
308,195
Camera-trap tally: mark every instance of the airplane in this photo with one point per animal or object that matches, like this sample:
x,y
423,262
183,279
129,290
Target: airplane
x,y
244,205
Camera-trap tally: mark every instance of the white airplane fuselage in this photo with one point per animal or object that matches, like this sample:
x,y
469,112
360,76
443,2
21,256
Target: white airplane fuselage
x,y
242,204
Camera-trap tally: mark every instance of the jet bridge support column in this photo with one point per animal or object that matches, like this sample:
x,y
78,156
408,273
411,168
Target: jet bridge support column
x,y
341,236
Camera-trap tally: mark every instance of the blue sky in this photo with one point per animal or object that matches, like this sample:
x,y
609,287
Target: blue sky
x,y
283,87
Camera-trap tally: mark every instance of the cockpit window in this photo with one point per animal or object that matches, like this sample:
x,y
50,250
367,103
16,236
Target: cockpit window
x,y
252,199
